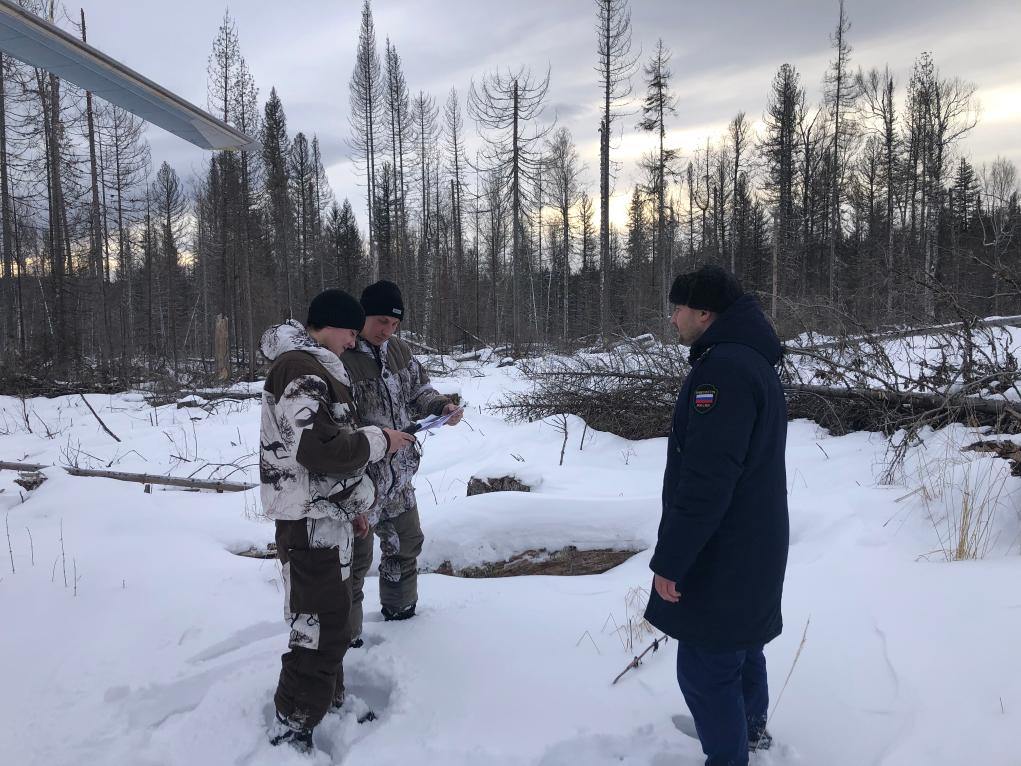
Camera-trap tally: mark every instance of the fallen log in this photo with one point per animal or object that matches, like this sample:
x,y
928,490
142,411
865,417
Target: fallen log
x,y
138,478
210,396
424,349
12,466
998,407
565,562
643,341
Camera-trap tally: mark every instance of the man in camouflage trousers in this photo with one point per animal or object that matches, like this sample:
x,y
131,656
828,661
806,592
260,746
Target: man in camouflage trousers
x,y
313,460
391,389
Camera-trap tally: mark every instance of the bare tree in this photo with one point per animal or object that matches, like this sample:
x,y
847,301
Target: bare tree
x,y
126,161
366,92
876,90
739,131
840,95
246,118
564,169
170,208
400,130
778,149
454,132
616,66
95,263
941,112
276,147
507,107
424,115
659,104
301,177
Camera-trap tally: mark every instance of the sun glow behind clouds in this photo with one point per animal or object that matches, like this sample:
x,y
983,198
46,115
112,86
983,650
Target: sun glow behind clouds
x,y
1001,104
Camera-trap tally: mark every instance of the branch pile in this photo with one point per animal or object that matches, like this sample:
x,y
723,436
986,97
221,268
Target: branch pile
x,y
629,391
965,373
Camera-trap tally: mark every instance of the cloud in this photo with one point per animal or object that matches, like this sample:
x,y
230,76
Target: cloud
x,y
724,57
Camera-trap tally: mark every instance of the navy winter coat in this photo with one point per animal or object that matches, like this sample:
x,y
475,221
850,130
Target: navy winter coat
x,y
724,533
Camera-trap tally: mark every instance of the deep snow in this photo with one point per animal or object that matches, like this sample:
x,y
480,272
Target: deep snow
x,y
166,650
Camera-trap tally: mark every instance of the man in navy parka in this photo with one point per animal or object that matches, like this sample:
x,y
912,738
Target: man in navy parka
x,y
722,550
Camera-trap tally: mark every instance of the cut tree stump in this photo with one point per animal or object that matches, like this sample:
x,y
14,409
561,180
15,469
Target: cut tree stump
x,y
477,486
30,480
269,552
1007,450
566,562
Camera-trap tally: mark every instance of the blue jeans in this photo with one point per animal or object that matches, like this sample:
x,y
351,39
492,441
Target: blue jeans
x,y
727,695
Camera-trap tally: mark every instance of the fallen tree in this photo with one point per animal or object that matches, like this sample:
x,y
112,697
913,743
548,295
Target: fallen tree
x,y
629,391
139,478
964,373
910,332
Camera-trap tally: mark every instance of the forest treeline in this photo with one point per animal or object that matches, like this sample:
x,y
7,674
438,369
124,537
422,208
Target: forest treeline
x,y
861,210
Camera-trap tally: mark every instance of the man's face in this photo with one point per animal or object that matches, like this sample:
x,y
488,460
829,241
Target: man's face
x,y
336,339
690,323
378,329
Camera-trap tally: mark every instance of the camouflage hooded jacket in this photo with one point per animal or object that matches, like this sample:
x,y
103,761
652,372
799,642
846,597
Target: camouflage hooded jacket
x,y
313,455
391,389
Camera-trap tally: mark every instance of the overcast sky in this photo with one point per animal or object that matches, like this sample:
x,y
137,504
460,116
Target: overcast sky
x,y
725,54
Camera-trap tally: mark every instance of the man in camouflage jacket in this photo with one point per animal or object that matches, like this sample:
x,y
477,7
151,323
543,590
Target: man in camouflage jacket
x,y
313,462
391,389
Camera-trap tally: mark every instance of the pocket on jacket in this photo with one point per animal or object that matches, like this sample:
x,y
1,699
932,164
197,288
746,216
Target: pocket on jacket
x,y
315,581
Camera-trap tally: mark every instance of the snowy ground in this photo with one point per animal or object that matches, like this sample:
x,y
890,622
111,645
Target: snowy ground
x,y
165,649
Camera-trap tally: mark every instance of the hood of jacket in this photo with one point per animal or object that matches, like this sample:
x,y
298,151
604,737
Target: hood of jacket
x,y
745,323
292,336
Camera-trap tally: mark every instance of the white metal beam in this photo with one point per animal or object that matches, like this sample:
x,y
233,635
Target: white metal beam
x,y
37,42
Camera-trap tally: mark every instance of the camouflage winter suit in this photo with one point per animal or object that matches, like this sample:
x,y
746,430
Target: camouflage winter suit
x,y
391,389
312,466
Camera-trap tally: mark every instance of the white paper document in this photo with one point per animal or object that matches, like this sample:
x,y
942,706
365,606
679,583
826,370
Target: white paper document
x,y
435,421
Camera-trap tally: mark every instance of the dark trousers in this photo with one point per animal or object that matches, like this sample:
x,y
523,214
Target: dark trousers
x,y
317,609
727,695
400,543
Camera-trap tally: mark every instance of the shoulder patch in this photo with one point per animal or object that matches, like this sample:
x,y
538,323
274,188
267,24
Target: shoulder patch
x,y
705,398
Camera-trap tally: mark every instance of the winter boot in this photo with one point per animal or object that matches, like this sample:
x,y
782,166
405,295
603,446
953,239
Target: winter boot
x,y
338,701
401,614
297,736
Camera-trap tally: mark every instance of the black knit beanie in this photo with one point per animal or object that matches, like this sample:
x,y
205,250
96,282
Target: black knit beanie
x,y
383,298
335,308
708,289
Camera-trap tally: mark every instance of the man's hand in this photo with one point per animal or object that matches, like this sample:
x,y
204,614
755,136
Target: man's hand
x,y
667,589
397,439
361,525
454,420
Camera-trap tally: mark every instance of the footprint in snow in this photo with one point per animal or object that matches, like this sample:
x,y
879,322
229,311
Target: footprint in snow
x,y
241,639
367,688
777,755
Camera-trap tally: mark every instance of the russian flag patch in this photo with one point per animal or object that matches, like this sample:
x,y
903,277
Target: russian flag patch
x,y
705,398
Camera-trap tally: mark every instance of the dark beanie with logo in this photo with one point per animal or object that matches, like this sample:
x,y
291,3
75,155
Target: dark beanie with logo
x,y
383,298
710,288
335,308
